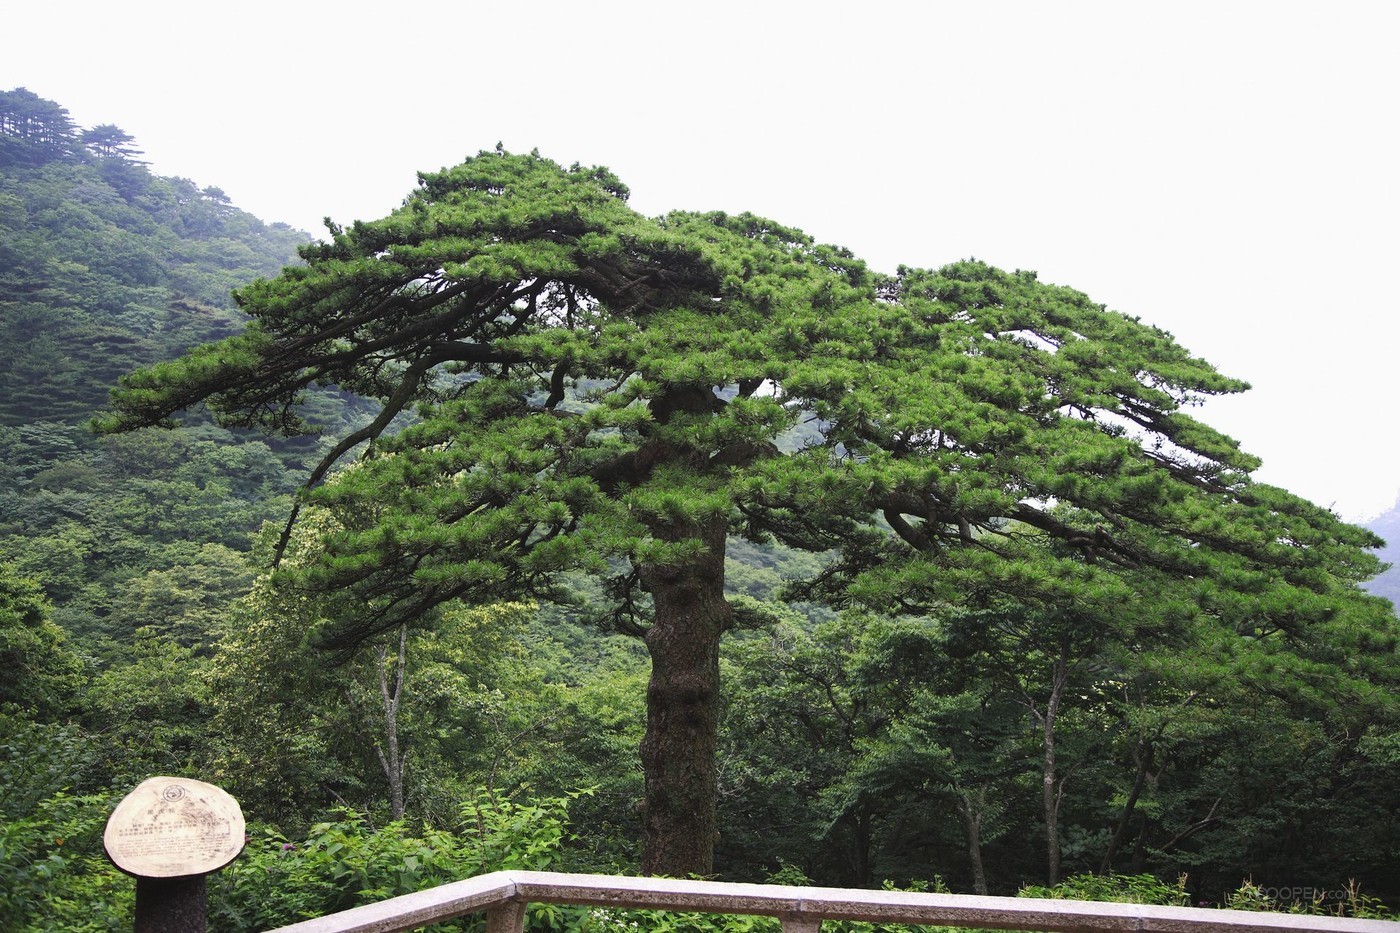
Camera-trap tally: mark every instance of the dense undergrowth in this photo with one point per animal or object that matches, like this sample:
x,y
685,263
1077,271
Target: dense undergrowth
x,y
53,875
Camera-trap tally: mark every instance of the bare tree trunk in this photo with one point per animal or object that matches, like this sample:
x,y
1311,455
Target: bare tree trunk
x,y
1051,786
1143,754
859,822
383,733
391,760
1139,862
970,807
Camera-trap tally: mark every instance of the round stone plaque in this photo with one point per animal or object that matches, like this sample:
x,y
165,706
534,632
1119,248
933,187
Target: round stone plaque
x,y
171,827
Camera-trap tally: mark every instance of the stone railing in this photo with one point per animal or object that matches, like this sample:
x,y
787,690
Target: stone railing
x,y
503,896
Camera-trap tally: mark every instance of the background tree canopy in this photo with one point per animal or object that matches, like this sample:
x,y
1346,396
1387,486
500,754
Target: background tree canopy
x,y
598,392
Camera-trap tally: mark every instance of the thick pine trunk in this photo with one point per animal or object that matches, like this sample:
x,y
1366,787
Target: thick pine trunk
x,y
678,751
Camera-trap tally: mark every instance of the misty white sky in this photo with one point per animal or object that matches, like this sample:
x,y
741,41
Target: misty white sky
x,y
1226,171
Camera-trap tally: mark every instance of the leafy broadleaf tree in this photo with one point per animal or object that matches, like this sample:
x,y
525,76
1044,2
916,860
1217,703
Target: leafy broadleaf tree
x,y
41,672
852,748
602,392
293,732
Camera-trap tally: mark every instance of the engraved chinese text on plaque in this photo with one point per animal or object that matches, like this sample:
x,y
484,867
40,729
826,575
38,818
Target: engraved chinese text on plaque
x,y
170,827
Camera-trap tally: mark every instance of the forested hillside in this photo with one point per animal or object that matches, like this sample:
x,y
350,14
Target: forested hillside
x,y
997,711
105,266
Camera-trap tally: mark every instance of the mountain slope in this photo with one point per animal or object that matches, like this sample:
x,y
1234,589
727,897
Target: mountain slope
x,y
105,267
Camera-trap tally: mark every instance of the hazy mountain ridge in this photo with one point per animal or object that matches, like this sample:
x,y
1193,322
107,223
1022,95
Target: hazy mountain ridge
x,y
1387,525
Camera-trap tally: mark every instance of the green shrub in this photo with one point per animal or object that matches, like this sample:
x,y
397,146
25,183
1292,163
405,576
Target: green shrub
x,y
53,874
1123,889
1342,902
346,862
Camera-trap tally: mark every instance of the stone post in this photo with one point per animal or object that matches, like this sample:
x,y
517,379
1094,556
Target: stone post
x,y
169,833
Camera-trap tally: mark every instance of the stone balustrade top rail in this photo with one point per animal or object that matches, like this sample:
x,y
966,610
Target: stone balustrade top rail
x,y
503,896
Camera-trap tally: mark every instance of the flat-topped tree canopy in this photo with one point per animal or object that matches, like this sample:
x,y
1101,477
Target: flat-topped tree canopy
x,y
599,391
